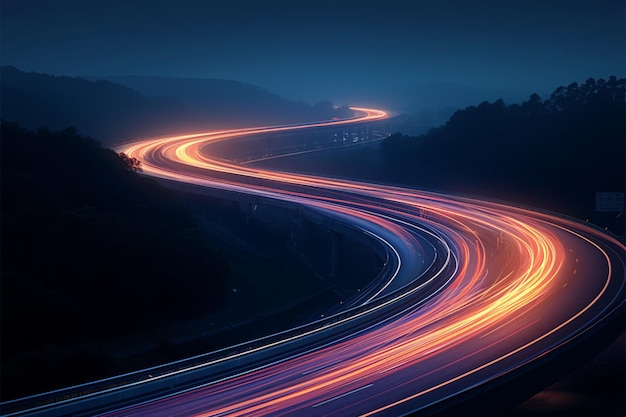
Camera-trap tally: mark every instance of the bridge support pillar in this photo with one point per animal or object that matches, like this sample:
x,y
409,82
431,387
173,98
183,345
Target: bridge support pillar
x,y
335,252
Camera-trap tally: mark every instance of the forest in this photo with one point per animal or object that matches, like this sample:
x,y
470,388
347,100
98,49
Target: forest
x,y
554,154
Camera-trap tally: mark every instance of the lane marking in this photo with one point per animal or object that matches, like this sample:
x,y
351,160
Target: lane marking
x,y
342,395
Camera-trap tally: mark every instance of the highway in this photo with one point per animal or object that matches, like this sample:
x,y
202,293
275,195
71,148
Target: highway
x,y
475,292
524,285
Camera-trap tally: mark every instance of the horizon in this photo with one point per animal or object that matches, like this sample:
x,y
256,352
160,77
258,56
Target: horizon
x,y
374,210
327,51
436,95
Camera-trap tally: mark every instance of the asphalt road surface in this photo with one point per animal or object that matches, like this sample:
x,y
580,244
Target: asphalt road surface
x,y
476,292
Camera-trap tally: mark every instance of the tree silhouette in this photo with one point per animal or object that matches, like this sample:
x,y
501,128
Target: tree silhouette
x,y
133,163
554,153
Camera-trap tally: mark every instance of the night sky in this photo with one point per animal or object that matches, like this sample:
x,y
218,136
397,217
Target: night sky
x,y
342,51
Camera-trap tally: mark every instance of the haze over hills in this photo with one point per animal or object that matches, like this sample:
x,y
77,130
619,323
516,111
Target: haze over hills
x,y
559,150
102,109
227,100
151,106
555,152
202,92
411,96
116,109
551,151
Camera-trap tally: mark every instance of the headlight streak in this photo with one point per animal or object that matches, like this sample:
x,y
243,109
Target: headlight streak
x,y
555,329
487,309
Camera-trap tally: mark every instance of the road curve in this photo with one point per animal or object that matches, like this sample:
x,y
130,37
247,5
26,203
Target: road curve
x,y
477,291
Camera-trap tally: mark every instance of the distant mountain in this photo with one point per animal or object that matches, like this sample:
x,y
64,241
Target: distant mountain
x,y
146,106
222,96
427,105
438,95
104,110
227,103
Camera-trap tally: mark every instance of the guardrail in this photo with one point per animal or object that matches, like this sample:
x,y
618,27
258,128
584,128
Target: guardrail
x,y
157,380
177,375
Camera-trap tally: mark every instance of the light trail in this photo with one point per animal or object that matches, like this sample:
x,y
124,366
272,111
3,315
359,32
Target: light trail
x,y
508,287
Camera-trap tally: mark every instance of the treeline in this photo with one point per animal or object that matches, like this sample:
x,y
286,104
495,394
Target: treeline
x,y
89,250
148,106
554,153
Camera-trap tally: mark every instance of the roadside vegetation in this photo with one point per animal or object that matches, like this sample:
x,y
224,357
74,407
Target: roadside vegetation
x,y
554,153
105,271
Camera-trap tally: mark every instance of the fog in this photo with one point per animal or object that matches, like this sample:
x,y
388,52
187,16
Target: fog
x,y
510,101
399,54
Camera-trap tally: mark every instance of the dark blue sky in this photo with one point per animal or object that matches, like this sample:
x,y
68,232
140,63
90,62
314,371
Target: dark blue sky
x,y
343,51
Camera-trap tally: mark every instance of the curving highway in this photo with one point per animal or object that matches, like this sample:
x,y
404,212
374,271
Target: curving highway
x,y
474,292
511,286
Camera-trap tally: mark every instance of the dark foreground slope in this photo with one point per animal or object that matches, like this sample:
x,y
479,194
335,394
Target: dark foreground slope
x,y
90,249
104,271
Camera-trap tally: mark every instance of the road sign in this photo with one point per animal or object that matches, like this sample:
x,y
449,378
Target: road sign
x,y
610,202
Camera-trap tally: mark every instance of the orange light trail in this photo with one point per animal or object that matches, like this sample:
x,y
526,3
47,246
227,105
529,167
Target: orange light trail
x,y
493,300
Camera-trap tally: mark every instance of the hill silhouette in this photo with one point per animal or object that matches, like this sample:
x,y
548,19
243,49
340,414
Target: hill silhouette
x,y
102,109
228,103
554,153
115,113
90,250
